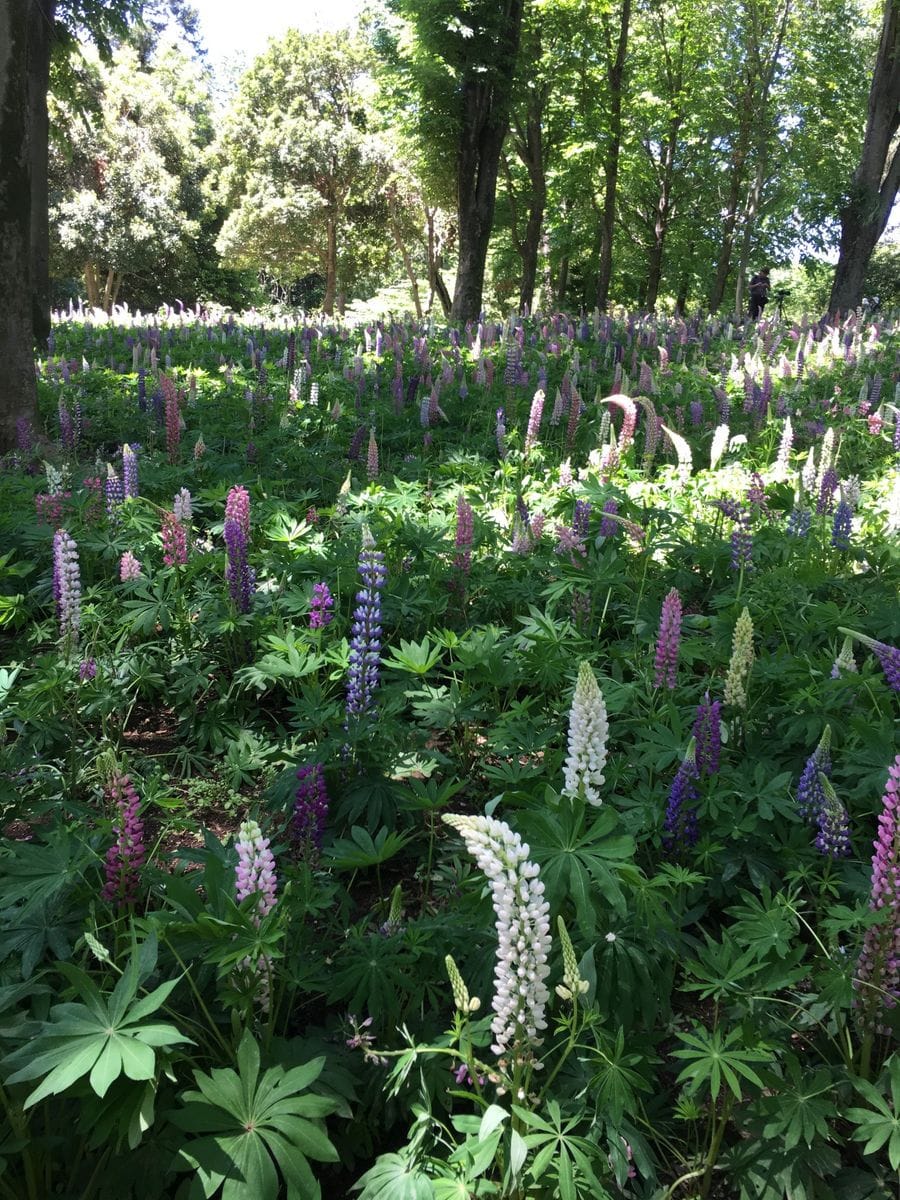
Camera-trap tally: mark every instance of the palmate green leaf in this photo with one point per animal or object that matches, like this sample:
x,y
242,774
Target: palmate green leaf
x,y
253,1127
394,1177
712,1059
880,1123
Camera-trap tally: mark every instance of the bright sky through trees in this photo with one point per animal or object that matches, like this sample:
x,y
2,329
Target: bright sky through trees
x,y
232,27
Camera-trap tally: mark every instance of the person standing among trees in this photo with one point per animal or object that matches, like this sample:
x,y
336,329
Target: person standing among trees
x,y
759,293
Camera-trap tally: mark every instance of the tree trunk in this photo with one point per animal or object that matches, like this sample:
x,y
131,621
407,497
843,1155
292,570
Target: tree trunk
x,y
91,285
435,262
330,267
400,243
18,391
615,77
42,14
663,213
484,122
876,179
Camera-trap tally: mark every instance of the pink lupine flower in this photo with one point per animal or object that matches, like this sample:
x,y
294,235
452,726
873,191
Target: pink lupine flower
x,y
666,663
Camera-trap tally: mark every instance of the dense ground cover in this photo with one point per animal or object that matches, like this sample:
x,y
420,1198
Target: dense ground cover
x,y
567,607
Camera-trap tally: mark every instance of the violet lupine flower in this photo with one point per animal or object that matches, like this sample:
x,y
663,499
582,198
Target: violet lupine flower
x,y
888,656
241,580
310,808
833,837
126,855
666,662
827,488
320,607
581,518
608,527
129,472
364,667
569,542
798,522
680,830
707,734
115,494
534,420
842,526
356,442
574,417
741,548
255,872
810,795
66,427
465,532
87,669
878,973
588,737
523,932
129,567
66,584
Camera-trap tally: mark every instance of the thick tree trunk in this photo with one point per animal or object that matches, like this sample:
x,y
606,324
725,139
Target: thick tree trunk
x,y
330,267
42,14
18,392
615,78
663,213
876,180
484,123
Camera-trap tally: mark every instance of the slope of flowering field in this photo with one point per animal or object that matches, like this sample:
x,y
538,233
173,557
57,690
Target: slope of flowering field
x,y
452,763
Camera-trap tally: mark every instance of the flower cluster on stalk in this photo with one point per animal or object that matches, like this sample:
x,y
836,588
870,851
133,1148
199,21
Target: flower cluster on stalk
x,y
238,575
126,855
523,932
680,830
707,735
878,973
310,808
588,736
741,661
364,668
667,642
321,606
66,584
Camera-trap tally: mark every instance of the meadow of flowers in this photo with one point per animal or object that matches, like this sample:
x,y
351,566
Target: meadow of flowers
x,y
443,763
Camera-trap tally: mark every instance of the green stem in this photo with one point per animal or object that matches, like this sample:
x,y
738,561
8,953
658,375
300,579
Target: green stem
x,y
187,974
101,1163
715,1146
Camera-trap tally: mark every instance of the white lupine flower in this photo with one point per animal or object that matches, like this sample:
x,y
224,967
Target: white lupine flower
x,y
523,930
719,445
588,734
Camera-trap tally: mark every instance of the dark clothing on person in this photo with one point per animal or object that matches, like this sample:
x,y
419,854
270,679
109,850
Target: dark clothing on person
x,y
759,294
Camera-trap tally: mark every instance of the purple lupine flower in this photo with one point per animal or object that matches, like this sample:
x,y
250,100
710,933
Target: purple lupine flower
x,y
842,526
798,522
129,471
355,448
321,605
878,973
833,837
24,435
465,532
680,830
666,662
534,420
608,527
365,645
115,494
569,542
126,855
66,427
888,656
707,735
827,488
240,578
741,548
87,669
66,584
255,872
810,794
310,808
574,416
581,518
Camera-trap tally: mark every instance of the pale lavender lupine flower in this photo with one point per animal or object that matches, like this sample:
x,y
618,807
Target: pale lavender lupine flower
x,y
66,584
129,567
364,668
182,506
255,871
878,973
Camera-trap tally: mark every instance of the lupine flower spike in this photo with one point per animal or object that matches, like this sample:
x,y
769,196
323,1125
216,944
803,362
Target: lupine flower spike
x,y
741,661
588,735
680,824
666,663
364,668
878,973
888,656
126,855
255,876
523,932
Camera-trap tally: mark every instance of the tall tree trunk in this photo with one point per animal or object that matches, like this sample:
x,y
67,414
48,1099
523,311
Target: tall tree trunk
x,y
18,392
435,263
663,213
400,243
685,282
615,77
42,14
92,287
330,266
877,177
484,121
735,184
